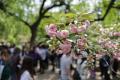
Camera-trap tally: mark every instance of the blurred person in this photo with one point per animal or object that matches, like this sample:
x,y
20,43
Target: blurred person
x,y
83,66
65,64
5,65
115,67
27,70
59,54
115,64
52,58
34,56
74,67
15,63
41,51
75,73
104,66
12,49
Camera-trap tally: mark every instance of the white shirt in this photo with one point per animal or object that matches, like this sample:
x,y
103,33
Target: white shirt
x,y
41,52
83,71
26,76
65,63
12,50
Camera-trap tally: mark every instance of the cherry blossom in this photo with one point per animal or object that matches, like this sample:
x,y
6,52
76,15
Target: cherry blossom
x,y
65,46
64,33
51,30
116,34
73,28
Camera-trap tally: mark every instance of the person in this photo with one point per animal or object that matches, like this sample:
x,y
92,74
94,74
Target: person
x,y
74,73
82,67
5,65
15,59
34,56
59,54
27,70
52,59
104,66
12,49
115,67
115,64
41,51
65,64
74,67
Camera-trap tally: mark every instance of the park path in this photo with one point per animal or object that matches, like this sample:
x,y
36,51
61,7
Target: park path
x,y
49,75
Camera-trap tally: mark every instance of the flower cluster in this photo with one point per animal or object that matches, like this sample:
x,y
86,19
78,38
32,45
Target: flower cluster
x,y
63,34
66,46
82,28
51,30
108,44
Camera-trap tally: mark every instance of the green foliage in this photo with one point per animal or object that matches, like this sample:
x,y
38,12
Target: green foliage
x,y
13,30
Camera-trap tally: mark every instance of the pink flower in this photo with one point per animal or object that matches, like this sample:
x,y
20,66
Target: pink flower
x,y
53,27
73,28
64,33
117,55
51,30
86,24
65,47
116,34
109,44
58,34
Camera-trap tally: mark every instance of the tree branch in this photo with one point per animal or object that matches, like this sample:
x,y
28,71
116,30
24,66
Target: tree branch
x,y
116,7
52,6
3,8
44,11
18,18
107,11
42,6
25,22
40,16
2,5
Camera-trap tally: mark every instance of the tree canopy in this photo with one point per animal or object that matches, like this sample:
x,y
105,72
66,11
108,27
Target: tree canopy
x,y
24,20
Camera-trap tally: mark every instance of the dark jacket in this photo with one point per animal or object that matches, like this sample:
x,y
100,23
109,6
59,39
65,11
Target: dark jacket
x,y
6,74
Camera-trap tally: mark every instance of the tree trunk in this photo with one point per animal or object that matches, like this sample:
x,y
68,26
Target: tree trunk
x,y
33,36
33,30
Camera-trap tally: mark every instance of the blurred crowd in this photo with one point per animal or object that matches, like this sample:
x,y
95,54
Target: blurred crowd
x,y
21,63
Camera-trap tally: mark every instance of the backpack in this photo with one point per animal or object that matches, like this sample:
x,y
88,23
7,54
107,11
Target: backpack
x,y
105,63
76,75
